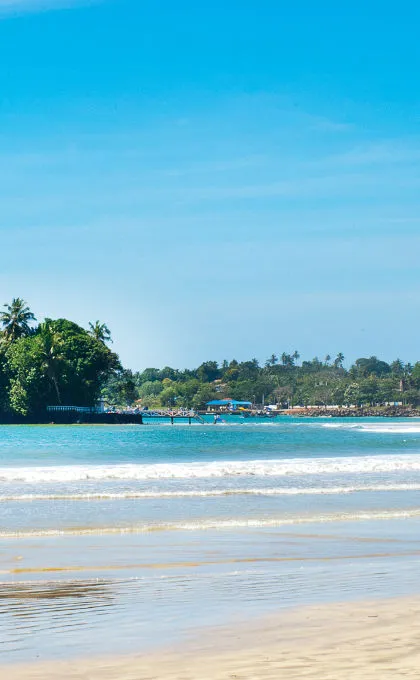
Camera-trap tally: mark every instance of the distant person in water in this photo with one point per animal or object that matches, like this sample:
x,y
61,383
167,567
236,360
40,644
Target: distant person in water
x,y
217,419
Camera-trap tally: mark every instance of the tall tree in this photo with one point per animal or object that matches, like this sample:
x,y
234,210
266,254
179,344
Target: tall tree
x,y
397,367
364,367
208,371
121,389
16,320
100,331
287,359
51,344
339,360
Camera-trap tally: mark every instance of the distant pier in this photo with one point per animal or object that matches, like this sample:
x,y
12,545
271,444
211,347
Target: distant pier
x,y
173,415
86,415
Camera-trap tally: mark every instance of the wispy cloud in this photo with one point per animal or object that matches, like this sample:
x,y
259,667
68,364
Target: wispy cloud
x,y
204,167
328,125
386,152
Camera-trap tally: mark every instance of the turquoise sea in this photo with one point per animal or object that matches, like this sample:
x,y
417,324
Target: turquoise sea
x,y
118,539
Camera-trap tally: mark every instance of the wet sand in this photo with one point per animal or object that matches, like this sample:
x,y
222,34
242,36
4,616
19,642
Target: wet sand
x,y
362,641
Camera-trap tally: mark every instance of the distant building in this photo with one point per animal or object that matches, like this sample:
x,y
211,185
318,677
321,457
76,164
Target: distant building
x,y
227,405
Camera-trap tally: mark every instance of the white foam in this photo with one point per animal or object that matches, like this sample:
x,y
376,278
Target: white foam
x,y
144,495
392,429
216,524
377,428
340,426
201,470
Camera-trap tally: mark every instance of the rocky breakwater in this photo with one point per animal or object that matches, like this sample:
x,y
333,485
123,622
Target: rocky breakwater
x,y
359,412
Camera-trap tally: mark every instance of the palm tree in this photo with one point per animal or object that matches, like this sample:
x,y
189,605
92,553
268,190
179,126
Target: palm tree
x,y
408,369
397,367
51,352
327,360
272,360
338,361
16,320
295,356
100,331
286,359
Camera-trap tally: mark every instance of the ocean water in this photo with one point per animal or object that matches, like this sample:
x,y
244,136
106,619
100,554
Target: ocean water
x,y
118,539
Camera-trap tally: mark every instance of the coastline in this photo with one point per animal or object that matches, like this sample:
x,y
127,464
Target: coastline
x,y
359,412
73,418
364,640
324,412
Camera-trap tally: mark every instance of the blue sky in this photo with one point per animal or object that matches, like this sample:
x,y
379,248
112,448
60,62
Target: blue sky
x,y
214,180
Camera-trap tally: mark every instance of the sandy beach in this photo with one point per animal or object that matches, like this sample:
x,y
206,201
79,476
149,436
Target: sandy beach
x,y
362,641
210,553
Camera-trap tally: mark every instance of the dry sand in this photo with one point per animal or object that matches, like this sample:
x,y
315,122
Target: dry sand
x,y
362,641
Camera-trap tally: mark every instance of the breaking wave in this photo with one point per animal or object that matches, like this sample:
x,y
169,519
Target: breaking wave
x,y
202,470
143,495
216,524
376,428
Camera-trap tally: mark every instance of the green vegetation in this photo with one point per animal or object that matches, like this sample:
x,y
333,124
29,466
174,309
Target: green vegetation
x,y
58,362
55,362
368,382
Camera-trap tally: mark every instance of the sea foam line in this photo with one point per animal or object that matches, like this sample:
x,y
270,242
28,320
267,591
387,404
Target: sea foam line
x,y
144,495
216,524
198,470
376,428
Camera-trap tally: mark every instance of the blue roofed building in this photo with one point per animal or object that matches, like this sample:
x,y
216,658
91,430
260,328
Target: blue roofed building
x,y
227,405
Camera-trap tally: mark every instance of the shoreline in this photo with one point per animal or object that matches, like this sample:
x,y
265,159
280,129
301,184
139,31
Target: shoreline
x,y
310,413
74,417
363,640
362,412
325,412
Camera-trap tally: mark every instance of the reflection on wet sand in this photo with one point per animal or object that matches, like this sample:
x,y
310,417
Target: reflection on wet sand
x,y
55,591
31,610
175,582
204,563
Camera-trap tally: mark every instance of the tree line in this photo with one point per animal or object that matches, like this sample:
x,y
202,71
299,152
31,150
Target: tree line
x,y
57,362
280,380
